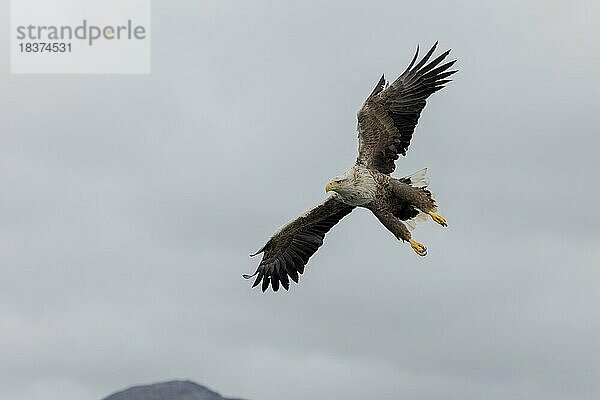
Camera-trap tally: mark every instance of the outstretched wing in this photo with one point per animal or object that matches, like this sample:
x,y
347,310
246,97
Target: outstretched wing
x,y
288,250
388,117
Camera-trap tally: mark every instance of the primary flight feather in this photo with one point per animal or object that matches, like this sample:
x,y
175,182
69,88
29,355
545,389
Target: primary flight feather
x,y
386,123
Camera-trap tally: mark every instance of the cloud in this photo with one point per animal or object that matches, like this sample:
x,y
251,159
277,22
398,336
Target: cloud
x,y
130,204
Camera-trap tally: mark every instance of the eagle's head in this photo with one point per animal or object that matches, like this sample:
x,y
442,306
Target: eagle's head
x,y
355,186
341,184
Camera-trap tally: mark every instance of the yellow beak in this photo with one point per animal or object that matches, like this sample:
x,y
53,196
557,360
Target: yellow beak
x,y
330,186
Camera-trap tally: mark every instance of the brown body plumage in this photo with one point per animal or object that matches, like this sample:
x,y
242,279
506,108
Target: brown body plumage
x,y
386,122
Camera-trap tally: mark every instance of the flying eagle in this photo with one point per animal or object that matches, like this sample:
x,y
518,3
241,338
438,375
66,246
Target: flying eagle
x,y
386,123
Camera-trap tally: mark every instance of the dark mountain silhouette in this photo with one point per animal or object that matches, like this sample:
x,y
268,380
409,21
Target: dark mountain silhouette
x,y
173,390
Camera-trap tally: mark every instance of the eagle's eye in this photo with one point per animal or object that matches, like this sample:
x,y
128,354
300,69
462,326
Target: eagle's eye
x,y
338,181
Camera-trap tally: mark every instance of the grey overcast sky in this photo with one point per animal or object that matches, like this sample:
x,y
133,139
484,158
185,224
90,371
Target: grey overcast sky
x,y
129,205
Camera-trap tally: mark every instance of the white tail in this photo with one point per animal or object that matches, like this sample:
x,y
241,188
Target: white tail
x,y
419,179
411,224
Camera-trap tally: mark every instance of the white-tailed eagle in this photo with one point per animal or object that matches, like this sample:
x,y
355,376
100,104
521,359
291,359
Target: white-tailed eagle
x,y
386,123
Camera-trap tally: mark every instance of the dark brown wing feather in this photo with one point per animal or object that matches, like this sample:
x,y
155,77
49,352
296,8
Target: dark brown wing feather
x,y
288,250
388,117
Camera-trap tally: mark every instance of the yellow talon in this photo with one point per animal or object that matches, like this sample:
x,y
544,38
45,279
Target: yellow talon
x,y
438,218
418,247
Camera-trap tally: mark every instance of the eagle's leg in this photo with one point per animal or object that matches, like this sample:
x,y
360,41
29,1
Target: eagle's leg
x,y
438,218
418,247
399,230
419,197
